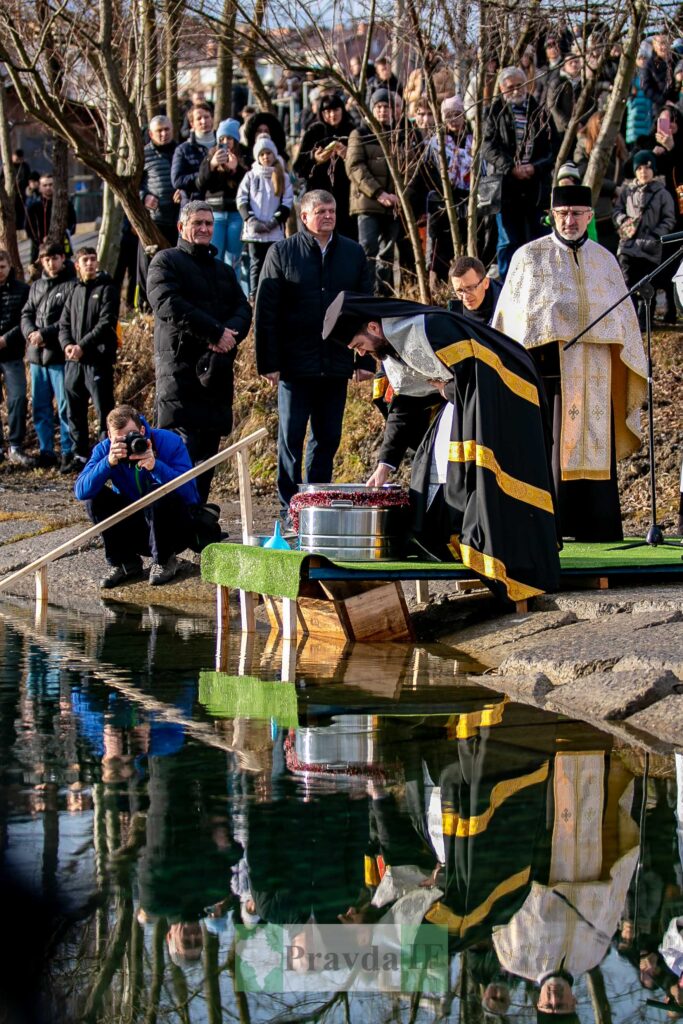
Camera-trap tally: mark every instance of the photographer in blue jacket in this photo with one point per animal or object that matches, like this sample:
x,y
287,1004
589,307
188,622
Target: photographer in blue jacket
x,y
134,460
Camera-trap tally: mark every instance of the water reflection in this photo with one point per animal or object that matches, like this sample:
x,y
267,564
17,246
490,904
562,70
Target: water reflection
x,y
150,806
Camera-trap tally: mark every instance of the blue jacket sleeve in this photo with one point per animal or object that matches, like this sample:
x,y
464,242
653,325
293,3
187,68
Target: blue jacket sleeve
x,y
95,474
172,460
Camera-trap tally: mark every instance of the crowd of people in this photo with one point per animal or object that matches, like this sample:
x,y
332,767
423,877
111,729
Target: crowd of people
x,y
253,224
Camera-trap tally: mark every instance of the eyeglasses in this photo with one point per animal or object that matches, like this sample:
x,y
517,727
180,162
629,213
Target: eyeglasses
x,y
468,290
563,214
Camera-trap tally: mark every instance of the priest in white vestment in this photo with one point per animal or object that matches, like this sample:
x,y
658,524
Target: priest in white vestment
x,y
555,288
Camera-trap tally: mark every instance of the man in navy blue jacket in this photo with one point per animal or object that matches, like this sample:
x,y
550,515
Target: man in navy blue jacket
x,y
116,476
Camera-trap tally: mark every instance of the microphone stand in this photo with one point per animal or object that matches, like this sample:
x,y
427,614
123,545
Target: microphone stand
x,y
655,535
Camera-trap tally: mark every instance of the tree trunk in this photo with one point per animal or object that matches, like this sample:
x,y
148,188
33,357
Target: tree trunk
x,y
248,58
614,112
150,49
224,67
173,12
109,238
60,200
8,224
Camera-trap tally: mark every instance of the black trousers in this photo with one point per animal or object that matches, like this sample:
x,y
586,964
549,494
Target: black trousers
x,y
315,404
81,383
201,444
160,530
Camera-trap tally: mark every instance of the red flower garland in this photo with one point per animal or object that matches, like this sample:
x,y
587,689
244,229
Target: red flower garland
x,y
371,497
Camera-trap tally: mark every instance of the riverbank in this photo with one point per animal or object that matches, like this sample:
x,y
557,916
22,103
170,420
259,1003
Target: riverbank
x,y
614,658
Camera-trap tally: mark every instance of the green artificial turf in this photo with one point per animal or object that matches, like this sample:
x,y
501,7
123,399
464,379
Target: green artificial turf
x,y
279,573
226,696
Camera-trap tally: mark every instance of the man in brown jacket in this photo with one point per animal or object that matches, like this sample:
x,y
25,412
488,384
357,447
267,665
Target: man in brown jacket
x,y
373,199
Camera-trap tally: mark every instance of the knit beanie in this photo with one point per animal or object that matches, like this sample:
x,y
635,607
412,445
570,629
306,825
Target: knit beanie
x,y
379,96
262,143
645,156
230,128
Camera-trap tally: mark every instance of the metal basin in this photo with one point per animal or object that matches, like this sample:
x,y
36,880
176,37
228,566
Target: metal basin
x,y
354,533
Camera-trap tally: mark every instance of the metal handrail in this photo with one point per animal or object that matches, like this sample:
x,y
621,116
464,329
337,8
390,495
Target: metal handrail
x,y
39,564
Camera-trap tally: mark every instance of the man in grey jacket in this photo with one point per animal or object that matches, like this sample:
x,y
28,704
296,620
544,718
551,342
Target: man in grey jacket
x,y
157,192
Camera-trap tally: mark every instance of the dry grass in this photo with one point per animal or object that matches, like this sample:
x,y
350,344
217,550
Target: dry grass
x,y
255,405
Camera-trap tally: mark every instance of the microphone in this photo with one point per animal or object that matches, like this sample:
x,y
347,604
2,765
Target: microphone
x,y
677,236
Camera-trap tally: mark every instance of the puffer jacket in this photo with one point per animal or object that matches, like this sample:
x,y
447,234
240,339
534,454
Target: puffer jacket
x,y
657,218
256,199
368,172
89,319
42,312
156,181
13,295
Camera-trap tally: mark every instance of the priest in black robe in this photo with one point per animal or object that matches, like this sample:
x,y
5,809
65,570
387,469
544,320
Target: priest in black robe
x,y
472,403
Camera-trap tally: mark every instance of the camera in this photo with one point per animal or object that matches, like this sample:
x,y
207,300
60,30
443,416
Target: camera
x,y
136,443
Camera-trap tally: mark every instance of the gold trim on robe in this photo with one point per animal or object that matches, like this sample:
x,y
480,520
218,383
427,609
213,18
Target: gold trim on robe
x,y
470,451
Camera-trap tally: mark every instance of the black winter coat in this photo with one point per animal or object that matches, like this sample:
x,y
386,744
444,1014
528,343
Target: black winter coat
x,y
501,152
187,160
297,285
330,175
39,219
42,312
13,295
89,319
218,188
659,84
194,298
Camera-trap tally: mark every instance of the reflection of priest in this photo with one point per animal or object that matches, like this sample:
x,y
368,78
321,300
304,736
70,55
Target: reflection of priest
x,y
555,288
481,488
565,926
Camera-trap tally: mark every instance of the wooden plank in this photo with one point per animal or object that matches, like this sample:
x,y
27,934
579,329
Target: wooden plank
x,y
41,585
521,607
244,484
324,618
422,591
222,627
289,618
465,586
124,513
379,614
247,608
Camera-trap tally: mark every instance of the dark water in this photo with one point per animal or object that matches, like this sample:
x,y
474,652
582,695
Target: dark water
x,y
150,805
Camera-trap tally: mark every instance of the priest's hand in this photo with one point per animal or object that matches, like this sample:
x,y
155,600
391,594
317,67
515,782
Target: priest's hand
x,y
361,375
380,476
273,378
440,385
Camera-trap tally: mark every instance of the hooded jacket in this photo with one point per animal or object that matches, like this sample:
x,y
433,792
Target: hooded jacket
x,y
187,159
42,311
172,459
257,200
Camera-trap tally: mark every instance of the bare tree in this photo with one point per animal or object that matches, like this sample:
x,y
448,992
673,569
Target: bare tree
x,y
96,46
8,224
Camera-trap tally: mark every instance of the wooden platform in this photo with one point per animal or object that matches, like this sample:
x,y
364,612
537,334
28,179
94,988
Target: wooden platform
x,y
310,594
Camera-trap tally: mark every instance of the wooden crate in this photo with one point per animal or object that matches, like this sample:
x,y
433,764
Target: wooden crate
x,y
367,611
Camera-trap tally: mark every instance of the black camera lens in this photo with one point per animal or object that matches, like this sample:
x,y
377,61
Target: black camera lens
x,y
136,443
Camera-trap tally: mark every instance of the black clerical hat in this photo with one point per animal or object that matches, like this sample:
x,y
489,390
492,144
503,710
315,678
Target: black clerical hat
x,y
572,195
347,314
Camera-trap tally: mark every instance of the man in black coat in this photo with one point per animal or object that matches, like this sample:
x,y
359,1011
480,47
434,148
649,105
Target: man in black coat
x,y
200,316
300,277
518,146
13,295
87,334
40,326
39,215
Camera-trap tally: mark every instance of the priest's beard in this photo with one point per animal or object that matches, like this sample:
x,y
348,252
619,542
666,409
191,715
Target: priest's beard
x,y
571,243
